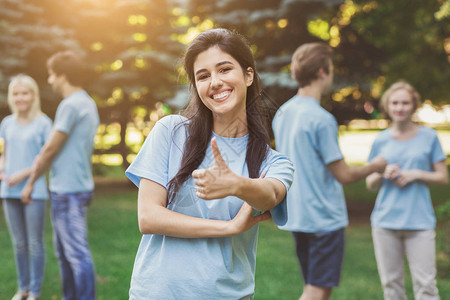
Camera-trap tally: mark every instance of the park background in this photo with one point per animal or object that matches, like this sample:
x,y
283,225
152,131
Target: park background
x,y
134,49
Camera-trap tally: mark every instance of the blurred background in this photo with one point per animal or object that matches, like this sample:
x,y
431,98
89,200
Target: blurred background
x,y
134,50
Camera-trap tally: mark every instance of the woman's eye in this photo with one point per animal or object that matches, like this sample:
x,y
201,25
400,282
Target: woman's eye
x,y
202,77
224,70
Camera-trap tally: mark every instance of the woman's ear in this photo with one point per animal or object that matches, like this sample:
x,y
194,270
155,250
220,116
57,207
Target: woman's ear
x,y
249,74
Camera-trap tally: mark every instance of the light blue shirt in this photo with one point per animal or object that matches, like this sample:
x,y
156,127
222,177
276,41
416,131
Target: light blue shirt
x,y
308,135
71,170
409,207
199,268
23,144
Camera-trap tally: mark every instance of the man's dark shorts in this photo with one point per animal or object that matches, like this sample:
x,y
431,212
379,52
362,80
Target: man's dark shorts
x,y
320,255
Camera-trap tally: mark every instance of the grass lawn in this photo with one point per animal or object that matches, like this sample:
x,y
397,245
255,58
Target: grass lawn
x,y
114,238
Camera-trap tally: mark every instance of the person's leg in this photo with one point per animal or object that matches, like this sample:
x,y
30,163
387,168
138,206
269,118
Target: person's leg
x,y
15,219
60,207
302,251
389,254
420,248
311,292
35,216
76,246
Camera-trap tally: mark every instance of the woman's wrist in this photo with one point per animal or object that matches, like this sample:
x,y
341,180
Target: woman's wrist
x,y
417,174
237,185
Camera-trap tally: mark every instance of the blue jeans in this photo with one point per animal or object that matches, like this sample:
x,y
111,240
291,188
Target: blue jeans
x,y
72,250
26,226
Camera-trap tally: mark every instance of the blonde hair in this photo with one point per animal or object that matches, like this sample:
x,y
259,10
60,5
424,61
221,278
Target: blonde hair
x,y
399,85
31,84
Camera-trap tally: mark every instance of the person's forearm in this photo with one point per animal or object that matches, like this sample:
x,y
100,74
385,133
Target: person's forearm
x,y
261,194
26,172
357,173
48,153
2,162
160,220
352,174
374,181
436,178
346,174
41,164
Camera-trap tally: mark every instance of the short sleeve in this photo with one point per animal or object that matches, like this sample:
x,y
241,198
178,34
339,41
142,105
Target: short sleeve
x,y
65,118
327,142
281,168
437,154
153,159
3,129
374,150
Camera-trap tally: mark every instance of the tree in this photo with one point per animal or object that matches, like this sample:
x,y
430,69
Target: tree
x,y
135,62
27,38
375,42
128,44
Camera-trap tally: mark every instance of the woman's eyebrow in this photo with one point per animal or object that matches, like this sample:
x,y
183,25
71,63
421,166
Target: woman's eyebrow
x,y
217,65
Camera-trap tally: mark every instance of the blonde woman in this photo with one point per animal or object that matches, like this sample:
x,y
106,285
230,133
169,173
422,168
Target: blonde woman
x,y
403,220
24,133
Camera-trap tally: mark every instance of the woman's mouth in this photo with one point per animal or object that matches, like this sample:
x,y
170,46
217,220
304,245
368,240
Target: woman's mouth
x,y
221,96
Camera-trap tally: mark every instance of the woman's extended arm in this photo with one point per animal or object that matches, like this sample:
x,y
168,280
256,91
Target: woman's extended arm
x,y
155,218
219,181
375,180
19,176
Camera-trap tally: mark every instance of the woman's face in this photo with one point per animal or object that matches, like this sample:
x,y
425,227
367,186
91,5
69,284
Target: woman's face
x,y
23,98
400,106
221,83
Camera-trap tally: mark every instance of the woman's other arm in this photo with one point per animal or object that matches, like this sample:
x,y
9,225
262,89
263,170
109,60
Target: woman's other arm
x,y
155,218
439,175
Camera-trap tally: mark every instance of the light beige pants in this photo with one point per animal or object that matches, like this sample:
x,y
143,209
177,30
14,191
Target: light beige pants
x,y
419,247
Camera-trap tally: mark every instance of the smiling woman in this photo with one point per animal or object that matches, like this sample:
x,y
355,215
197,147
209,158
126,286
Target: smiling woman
x,y
193,248
222,86
24,133
403,219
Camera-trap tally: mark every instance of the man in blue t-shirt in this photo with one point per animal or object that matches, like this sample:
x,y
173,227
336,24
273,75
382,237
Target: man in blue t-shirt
x,y
307,134
68,152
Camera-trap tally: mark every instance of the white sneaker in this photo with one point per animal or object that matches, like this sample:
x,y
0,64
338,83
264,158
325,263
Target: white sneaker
x,y
31,297
20,296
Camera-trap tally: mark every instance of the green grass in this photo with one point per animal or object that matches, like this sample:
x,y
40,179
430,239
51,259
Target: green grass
x,y
114,238
278,274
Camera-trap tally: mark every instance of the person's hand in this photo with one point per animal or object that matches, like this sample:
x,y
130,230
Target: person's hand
x,y
380,164
391,172
244,220
16,178
215,182
405,177
2,176
26,194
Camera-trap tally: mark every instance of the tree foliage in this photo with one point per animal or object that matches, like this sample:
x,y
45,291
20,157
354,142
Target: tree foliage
x,y
375,42
134,46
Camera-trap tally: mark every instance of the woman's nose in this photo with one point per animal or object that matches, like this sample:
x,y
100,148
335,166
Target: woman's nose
x,y
216,81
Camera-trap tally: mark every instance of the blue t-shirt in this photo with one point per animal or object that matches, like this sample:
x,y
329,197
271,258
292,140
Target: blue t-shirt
x,y
200,268
23,143
409,207
72,168
308,135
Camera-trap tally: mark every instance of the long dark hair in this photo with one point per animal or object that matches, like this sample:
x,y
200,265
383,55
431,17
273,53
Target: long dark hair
x,y
200,124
